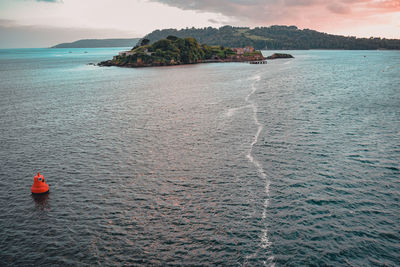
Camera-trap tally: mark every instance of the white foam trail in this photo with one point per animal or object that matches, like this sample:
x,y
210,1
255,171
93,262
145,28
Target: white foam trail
x,y
264,214
265,243
232,111
255,139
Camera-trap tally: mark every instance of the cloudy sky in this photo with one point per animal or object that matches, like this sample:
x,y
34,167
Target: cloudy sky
x,y
42,23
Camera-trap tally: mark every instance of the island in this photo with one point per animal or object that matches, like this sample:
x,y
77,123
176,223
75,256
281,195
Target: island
x,y
178,51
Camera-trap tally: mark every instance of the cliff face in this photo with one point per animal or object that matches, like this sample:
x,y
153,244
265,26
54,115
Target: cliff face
x,y
178,51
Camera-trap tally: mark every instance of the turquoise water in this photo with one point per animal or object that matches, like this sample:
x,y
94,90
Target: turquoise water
x,y
295,162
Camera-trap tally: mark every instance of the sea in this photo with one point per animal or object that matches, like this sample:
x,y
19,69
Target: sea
x,y
291,163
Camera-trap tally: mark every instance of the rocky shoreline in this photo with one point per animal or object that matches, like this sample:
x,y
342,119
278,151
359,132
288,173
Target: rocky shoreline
x,y
110,63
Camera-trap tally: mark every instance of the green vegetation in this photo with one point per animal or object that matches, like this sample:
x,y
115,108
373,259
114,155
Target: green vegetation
x,y
175,51
275,37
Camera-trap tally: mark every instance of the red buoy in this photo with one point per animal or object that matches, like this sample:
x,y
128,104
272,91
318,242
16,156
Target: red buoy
x,y
39,185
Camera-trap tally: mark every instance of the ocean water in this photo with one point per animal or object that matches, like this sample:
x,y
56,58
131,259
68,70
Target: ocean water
x,y
291,163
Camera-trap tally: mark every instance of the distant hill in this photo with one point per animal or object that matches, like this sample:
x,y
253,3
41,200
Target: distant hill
x,y
275,37
93,43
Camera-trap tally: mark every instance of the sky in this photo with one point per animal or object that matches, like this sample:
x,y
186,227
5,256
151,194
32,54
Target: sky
x,y
44,23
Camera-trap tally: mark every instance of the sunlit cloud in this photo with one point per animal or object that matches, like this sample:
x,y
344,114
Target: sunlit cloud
x,y
315,14
135,18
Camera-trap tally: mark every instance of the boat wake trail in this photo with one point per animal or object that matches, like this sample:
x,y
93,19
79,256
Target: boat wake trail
x,y
265,243
264,240
232,111
253,106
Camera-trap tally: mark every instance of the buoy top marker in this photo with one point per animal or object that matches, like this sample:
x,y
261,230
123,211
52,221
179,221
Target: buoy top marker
x,y
39,185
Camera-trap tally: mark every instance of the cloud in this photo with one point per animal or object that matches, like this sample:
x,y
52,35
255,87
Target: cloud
x,y
338,8
50,1
299,2
225,7
305,12
355,17
77,19
387,5
220,22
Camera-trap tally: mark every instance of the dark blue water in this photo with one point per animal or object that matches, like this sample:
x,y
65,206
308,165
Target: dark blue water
x,y
291,163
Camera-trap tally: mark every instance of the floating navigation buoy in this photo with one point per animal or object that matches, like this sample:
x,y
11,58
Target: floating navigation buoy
x,y
39,185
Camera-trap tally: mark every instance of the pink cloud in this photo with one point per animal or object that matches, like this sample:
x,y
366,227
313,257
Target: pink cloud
x,y
338,8
315,14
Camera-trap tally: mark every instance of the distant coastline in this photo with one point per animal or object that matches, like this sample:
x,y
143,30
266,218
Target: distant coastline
x,y
98,43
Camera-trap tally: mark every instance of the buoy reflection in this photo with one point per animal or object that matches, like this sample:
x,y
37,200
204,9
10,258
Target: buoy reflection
x,y
41,201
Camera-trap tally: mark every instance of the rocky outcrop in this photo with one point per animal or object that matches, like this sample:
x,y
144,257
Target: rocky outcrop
x,y
141,64
280,55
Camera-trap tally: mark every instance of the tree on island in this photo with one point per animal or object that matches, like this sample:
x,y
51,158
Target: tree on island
x,y
172,38
144,41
